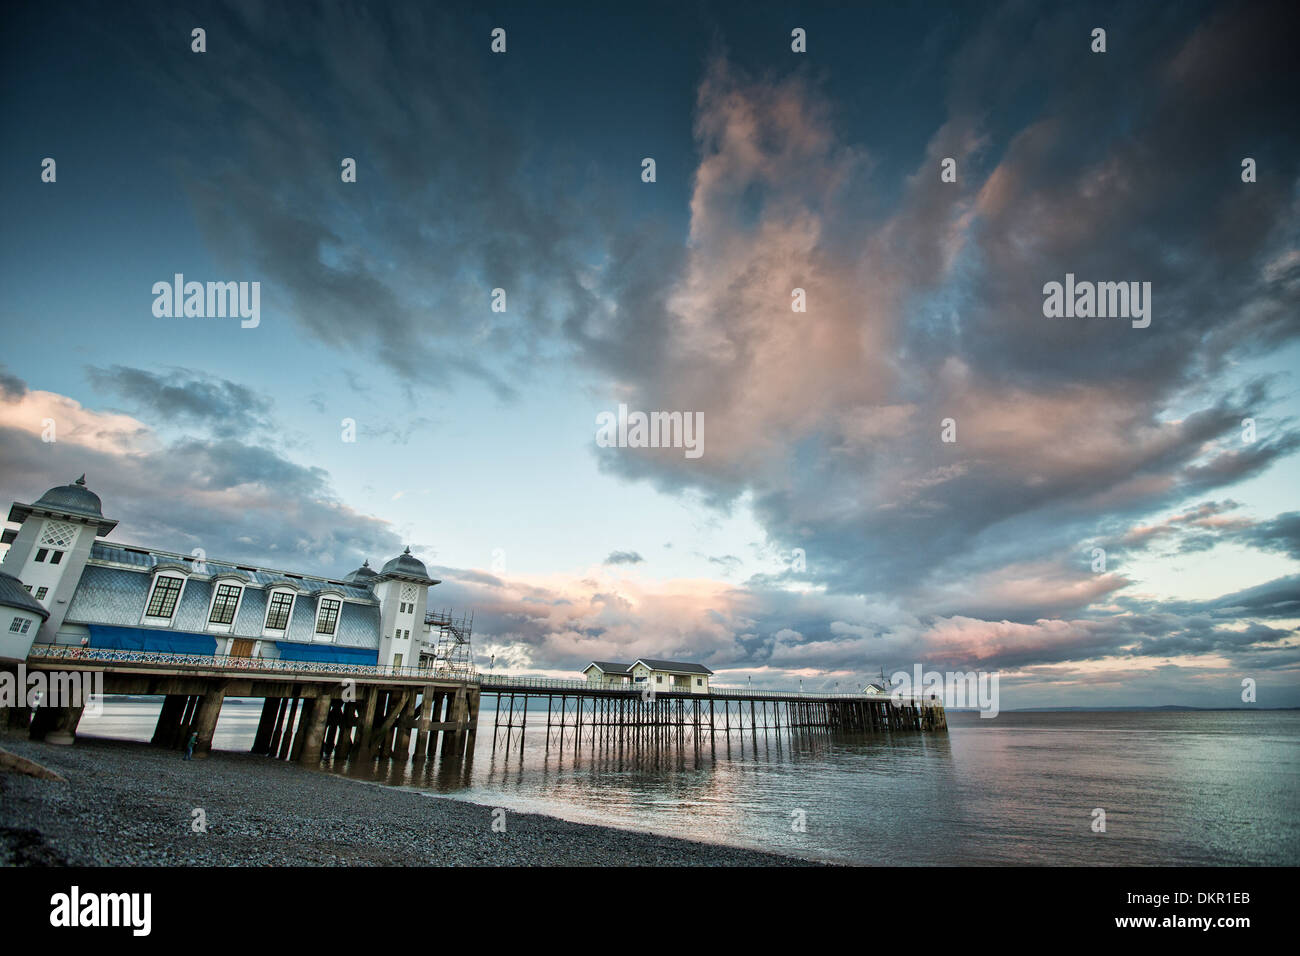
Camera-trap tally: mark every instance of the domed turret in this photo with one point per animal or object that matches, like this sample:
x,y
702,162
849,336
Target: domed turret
x,y
363,576
75,498
71,502
406,565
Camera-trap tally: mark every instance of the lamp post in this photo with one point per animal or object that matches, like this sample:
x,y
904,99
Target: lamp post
x,y
492,664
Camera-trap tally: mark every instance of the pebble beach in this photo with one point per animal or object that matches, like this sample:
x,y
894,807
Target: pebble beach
x,y
129,804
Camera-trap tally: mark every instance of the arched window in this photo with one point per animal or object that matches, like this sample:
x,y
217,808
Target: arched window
x,y
279,609
164,596
328,608
227,591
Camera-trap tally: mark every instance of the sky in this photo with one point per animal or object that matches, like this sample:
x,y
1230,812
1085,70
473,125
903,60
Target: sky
x,y
827,531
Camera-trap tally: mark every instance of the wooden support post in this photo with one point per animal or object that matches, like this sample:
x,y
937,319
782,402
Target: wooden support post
x,y
453,743
472,697
169,718
265,726
286,738
405,720
187,722
347,724
281,714
314,721
385,734
362,750
205,718
436,717
426,718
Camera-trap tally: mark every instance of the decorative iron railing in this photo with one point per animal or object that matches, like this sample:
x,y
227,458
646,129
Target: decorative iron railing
x,y
488,682
103,655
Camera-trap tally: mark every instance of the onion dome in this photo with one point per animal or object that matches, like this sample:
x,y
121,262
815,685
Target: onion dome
x,y
74,502
362,576
407,567
75,498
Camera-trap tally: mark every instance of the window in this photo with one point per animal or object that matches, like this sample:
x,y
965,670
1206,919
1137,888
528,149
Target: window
x,y
162,603
659,678
41,592
699,682
277,615
56,557
26,625
16,625
223,608
28,587
327,617
58,534
41,554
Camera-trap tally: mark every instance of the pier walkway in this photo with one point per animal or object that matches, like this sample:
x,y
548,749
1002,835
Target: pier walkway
x,y
358,712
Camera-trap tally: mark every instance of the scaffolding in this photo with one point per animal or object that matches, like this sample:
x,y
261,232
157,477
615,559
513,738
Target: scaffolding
x,y
453,652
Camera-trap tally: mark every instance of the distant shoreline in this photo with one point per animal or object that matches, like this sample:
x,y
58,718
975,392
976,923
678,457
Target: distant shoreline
x,y
131,804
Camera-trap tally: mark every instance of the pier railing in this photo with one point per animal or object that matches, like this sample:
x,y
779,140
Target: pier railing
x,y
490,682
103,655
498,681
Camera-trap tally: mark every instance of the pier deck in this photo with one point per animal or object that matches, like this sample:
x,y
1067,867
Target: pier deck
x,y
357,712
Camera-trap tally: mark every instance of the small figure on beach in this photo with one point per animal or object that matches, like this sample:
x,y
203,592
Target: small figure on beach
x,y
189,746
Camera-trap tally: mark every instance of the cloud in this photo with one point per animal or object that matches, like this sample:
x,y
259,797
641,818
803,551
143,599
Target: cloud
x,y
11,386
624,557
453,198
929,308
185,396
234,499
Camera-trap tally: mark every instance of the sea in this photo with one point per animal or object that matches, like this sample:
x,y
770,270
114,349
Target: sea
x,y
1152,788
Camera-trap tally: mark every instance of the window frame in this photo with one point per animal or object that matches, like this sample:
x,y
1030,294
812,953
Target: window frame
x,y
153,591
218,587
321,602
271,597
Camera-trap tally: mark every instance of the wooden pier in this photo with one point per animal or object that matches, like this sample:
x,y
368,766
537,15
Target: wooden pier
x,y
310,711
596,714
315,711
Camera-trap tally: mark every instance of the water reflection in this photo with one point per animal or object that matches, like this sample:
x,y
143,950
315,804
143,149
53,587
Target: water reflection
x,y
1189,788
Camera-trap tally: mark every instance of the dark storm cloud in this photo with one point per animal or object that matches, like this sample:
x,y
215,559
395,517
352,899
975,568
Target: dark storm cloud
x,y
454,196
185,396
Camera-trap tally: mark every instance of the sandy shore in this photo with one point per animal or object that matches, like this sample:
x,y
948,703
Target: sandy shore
x,y
129,804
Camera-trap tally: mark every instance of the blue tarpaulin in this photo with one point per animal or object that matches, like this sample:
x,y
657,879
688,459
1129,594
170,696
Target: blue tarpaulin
x,y
150,639
293,651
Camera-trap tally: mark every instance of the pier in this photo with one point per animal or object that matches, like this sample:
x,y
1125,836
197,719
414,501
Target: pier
x,y
318,710
310,710
601,714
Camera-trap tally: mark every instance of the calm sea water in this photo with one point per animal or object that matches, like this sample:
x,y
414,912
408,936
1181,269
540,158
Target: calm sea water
x,y
1177,787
